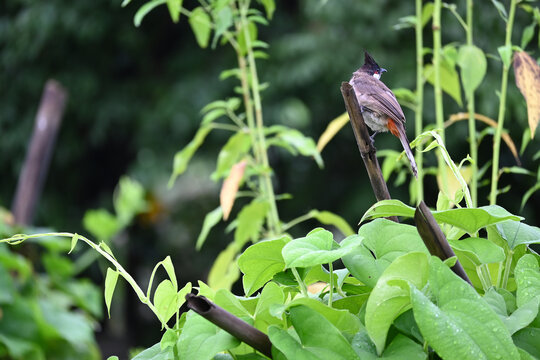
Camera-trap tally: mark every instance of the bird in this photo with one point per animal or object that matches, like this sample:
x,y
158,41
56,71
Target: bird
x,y
380,109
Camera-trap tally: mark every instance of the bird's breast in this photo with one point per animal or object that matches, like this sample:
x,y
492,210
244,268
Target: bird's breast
x,y
375,121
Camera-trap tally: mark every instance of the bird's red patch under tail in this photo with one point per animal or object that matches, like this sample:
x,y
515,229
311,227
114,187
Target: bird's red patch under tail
x,y
393,128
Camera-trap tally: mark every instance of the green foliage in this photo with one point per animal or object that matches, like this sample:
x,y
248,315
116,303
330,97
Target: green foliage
x,y
48,316
393,300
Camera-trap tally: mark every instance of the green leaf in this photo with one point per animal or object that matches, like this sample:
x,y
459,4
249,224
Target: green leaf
x,y
182,157
449,80
383,242
405,96
165,301
201,340
517,233
505,53
174,9
168,339
500,8
523,316
72,327
272,295
478,250
223,18
329,218
156,353
527,274
7,285
101,224
181,297
250,221
527,35
386,208
527,339
459,324
169,268
427,12
260,262
210,220
145,9
473,65
232,152
74,240
303,144
106,248
471,220
129,200
201,25
314,344
110,283
343,320
269,7
252,31
318,247
232,304
390,297
224,271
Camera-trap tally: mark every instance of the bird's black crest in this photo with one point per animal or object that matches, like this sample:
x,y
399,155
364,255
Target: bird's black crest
x,y
370,66
369,61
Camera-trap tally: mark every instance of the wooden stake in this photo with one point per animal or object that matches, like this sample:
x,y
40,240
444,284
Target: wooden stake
x,y
36,163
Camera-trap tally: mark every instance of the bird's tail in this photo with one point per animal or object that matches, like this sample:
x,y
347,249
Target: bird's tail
x,y
398,130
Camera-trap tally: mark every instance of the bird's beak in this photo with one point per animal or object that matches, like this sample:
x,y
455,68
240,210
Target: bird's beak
x,y
383,70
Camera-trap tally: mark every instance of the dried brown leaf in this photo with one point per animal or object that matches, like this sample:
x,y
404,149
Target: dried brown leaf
x,y
527,74
489,121
230,188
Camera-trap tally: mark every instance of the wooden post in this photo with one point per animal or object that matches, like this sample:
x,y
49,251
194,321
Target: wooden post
x,y
230,323
38,156
365,145
434,238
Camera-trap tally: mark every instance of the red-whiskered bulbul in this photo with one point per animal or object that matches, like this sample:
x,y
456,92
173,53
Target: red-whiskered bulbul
x,y
379,106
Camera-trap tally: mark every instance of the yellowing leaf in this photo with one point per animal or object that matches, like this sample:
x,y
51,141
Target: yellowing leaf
x,y
453,184
527,74
230,188
331,130
486,120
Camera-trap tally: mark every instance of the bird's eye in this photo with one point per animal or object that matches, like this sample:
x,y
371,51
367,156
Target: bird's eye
x,y
376,71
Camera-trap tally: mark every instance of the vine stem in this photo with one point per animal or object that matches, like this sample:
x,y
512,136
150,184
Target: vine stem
x,y
274,223
303,288
16,239
330,296
502,109
507,267
439,115
418,127
471,110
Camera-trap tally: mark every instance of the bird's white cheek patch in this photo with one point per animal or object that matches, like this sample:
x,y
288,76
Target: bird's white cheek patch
x,y
377,76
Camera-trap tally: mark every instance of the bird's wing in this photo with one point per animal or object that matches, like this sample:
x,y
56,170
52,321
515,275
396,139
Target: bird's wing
x,y
376,96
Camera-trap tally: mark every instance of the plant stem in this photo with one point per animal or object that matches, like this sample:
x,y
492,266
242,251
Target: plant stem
x,y
303,288
502,108
507,266
482,278
297,221
16,239
470,109
331,294
274,223
439,115
418,127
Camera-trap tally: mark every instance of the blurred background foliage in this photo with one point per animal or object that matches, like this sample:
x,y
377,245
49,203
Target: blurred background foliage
x,y
135,96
